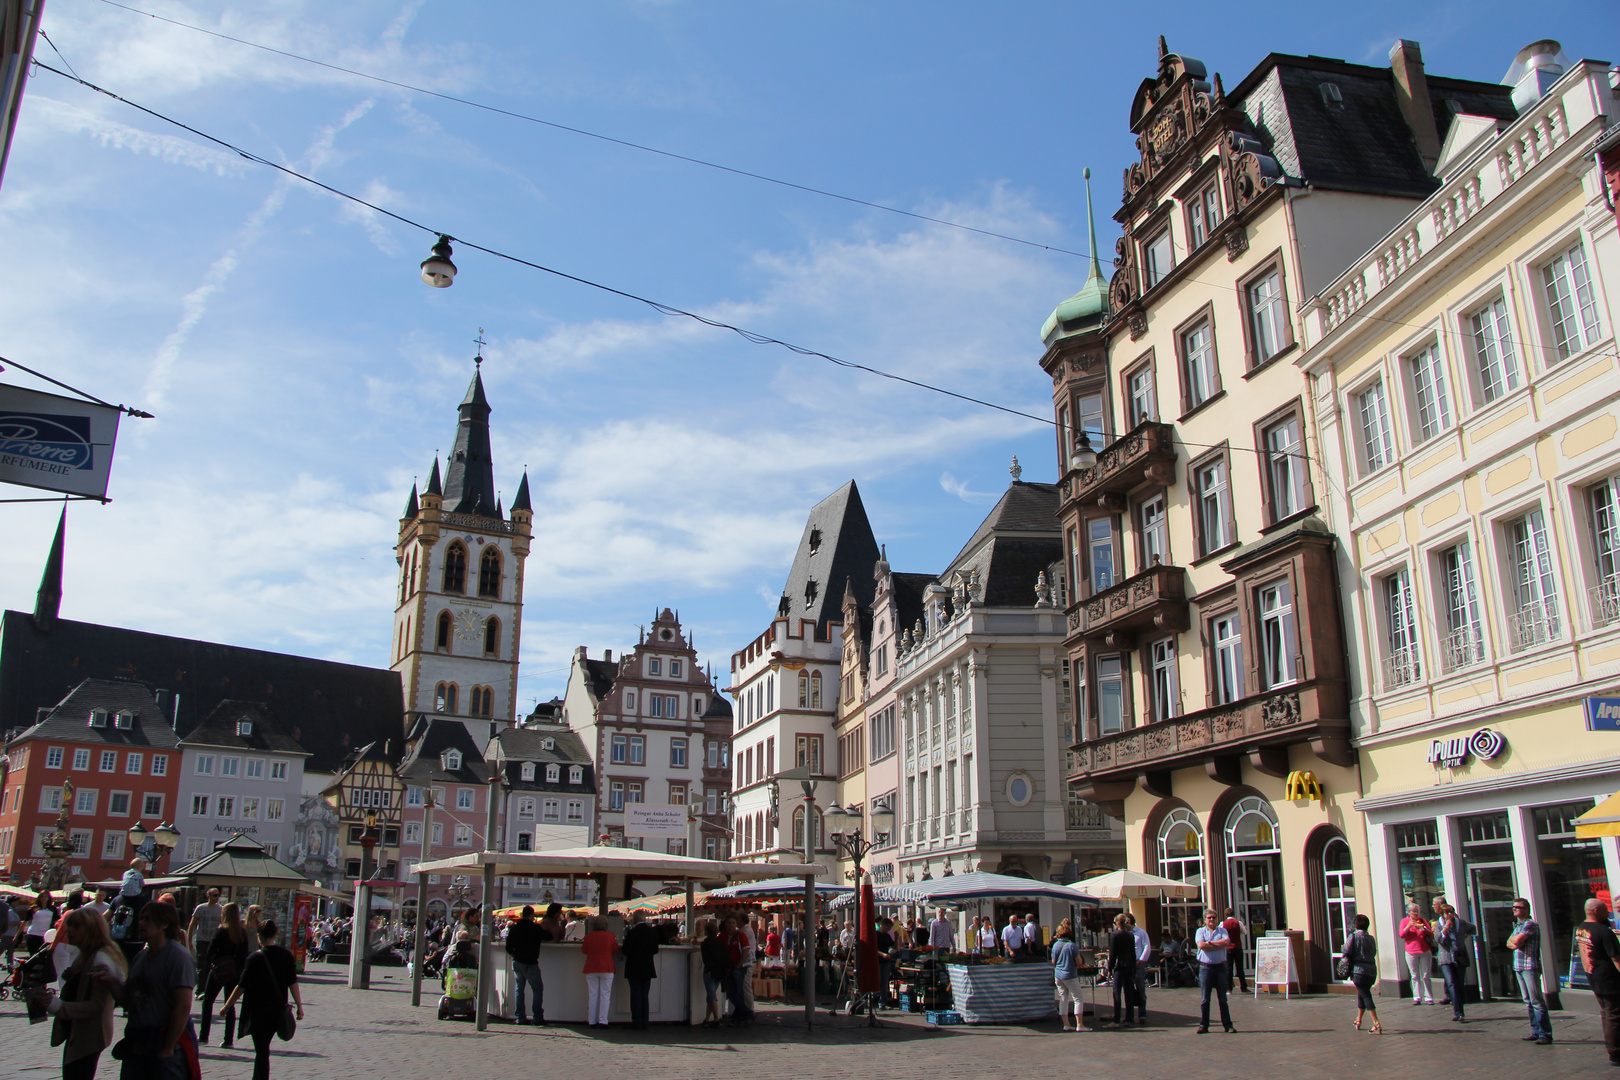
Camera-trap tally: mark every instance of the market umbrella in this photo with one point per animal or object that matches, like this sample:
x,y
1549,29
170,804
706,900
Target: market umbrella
x,y
1602,820
980,885
1133,884
867,980
777,889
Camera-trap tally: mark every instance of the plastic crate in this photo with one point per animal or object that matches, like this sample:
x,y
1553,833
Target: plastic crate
x,y
942,1018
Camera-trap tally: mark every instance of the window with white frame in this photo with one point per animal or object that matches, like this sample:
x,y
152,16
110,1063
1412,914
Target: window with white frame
x,y
1110,695
225,806
674,669
463,836
1216,528
50,800
525,809
134,763
1496,366
1100,544
200,804
413,796
654,665
1227,632
1464,643
1604,501
278,770
464,798
109,761
1144,397
413,832
1203,215
1153,529
253,768
576,774
112,844
160,765
250,808
1166,695
1278,645
1571,307
84,801
230,766
616,795
1377,441
1533,580
677,753
619,749
118,803
635,792
526,772
1268,317
205,765
81,759
1158,258
1401,662
152,804
1199,375
1286,476
551,810
576,811
53,757
638,749
664,705
553,773
1431,413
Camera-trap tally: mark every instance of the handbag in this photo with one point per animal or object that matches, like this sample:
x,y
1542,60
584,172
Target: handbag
x,y
288,1027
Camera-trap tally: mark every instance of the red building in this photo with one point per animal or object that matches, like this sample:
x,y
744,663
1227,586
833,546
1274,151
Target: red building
x,y
109,751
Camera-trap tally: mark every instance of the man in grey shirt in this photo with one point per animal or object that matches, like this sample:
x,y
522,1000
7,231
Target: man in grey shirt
x,y
204,925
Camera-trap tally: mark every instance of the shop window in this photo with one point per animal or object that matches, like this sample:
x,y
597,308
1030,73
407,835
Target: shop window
x,y
1181,858
1572,872
1417,857
1339,891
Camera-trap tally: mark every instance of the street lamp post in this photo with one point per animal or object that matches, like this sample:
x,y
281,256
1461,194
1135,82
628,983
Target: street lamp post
x,y
848,838
152,846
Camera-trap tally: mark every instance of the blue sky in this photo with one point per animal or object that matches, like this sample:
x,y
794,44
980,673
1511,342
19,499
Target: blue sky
x,y
302,375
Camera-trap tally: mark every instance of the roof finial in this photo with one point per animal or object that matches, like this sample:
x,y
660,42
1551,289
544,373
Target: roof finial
x,y
478,360
1163,48
1016,469
1091,220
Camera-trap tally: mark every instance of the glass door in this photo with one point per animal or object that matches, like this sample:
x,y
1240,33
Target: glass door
x,y
1492,887
1251,895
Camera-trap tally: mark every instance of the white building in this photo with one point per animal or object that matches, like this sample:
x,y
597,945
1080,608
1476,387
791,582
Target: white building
x,y
785,685
548,801
238,774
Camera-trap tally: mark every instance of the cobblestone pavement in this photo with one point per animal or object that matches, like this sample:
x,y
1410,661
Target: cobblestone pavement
x,y
376,1034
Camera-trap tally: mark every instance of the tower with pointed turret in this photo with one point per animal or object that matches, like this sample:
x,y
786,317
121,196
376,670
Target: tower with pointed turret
x,y
459,606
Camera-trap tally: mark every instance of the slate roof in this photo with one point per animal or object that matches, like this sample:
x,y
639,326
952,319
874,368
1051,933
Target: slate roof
x,y
1017,540
718,708
424,761
908,598
844,550
602,673
329,708
526,744
69,719
1365,145
469,479
219,728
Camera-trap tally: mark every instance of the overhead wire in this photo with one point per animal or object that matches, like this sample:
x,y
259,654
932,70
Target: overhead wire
x,y
513,114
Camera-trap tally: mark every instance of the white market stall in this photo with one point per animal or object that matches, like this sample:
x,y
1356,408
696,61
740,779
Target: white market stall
x,y
677,991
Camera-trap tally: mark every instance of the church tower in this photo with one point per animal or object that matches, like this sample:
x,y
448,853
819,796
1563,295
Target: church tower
x,y
459,607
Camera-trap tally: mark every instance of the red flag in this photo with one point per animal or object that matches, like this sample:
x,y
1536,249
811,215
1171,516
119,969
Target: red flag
x,y
867,980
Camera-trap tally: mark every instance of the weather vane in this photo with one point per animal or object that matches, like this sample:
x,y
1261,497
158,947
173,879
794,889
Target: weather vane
x,y
480,342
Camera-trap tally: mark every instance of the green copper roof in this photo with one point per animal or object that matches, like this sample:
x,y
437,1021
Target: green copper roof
x,y
1092,299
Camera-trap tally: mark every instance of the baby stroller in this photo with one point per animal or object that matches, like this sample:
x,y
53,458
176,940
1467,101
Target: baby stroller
x,y
460,1000
29,975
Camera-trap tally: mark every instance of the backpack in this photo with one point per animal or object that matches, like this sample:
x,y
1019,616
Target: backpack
x,y
122,920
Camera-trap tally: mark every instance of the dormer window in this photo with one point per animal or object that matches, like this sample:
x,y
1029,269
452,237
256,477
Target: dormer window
x,y
98,718
811,591
124,721
528,771
553,773
815,541
576,774
1331,97
451,760
244,728
548,743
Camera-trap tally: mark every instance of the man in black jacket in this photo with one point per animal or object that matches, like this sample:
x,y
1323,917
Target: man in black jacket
x,y
523,940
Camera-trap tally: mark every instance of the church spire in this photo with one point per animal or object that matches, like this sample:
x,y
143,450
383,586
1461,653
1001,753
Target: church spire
x,y
521,502
48,601
469,481
434,486
412,508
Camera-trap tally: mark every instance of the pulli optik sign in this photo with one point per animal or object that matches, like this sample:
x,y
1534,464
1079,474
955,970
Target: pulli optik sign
x,y
1483,744
55,443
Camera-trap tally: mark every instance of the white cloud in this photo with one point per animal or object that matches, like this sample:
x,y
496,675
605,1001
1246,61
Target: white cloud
x,y
76,120
960,489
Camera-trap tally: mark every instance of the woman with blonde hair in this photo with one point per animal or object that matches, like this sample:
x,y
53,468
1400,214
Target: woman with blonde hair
x,y
84,1012
227,956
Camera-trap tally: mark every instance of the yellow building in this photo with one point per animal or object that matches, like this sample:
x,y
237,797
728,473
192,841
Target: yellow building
x,y
1464,377
1205,636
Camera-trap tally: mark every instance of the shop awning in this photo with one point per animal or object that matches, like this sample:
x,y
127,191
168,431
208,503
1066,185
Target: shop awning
x,y
981,886
1602,820
1133,884
612,860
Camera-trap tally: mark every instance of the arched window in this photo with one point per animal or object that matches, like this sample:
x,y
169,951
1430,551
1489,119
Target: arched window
x,y
492,636
447,625
489,573
444,697
748,834
1254,869
455,568
804,690
1339,889
405,580
482,701
815,689
798,830
1181,858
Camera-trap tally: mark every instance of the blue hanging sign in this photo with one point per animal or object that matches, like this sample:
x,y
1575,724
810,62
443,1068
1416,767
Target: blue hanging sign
x,y
1603,714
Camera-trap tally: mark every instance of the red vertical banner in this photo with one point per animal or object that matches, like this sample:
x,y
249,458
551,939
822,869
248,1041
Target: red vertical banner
x,y
303,913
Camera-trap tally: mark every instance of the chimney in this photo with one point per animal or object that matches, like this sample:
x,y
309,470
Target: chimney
x,y
1412,91
41,713
607,656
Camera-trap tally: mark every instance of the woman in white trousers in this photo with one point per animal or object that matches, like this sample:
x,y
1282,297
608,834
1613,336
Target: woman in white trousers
x,y
1417,939
600,948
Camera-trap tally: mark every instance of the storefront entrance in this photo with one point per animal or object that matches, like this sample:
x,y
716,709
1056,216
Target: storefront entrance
x,y
1487,853
1253,856
1251,901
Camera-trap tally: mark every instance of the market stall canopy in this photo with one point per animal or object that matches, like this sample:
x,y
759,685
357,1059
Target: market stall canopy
x,y
612,860
979,886
1602,820
782,888
242,860
154,885
1133,885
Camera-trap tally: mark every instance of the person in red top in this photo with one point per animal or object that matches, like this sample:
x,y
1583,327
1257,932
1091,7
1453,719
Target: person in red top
x,y
600,948
773,943
1417,936
1234,955
738,948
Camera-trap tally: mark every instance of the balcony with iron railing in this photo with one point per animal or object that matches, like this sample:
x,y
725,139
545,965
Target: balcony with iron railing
x,y
1536,623
1146,452
1402,668
1605,600
1461,648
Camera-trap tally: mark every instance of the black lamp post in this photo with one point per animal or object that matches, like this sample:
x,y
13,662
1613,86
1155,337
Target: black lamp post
x,y
152,846
845,829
